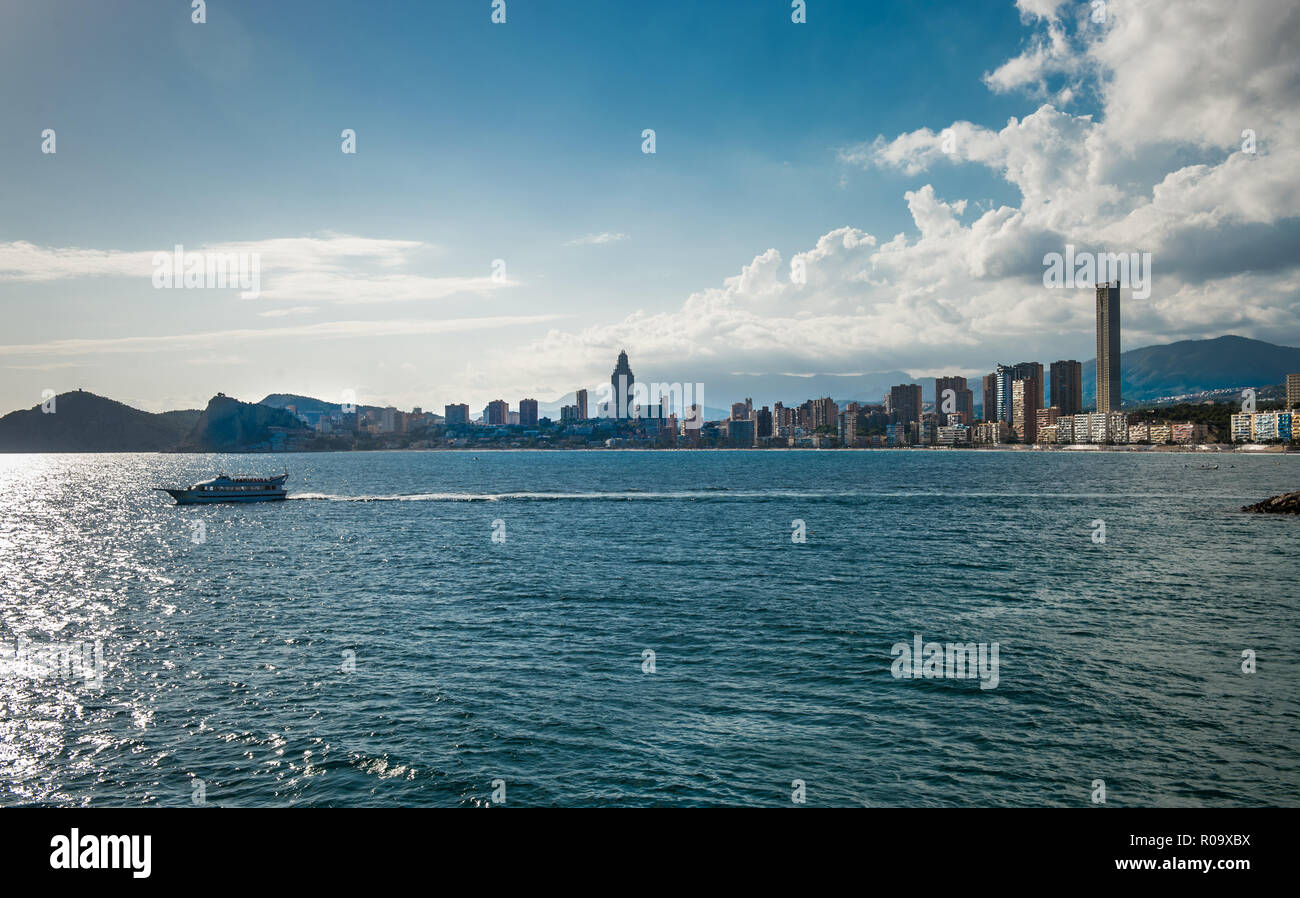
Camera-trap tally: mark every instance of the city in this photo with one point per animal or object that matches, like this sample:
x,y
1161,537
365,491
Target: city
x,y
1023,405
792,404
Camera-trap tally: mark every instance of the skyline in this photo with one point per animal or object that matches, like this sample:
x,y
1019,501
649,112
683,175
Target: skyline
x,y
377,267
1068,371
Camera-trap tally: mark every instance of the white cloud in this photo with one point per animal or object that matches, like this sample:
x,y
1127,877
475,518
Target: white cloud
x,y
600,239
328,269
323,330
1156,166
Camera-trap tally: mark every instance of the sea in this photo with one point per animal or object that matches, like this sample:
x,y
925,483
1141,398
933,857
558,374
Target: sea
x,y
651,628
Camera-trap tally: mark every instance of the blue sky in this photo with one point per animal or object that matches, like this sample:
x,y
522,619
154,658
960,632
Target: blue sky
x,y
519,142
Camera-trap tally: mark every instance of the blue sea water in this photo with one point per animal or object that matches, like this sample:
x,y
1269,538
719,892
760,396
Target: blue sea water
x,y
523,661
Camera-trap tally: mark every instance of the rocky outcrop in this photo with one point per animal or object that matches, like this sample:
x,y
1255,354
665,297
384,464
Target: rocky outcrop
x,y
228,425
1287,503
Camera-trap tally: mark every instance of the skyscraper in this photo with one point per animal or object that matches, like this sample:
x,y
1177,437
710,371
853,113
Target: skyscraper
x,y
905,403
582,405
497,412
1108,399
622,380
1006,375
824,412
456,414
990,409
1293,391
1067,387
963,399
1024,409
528,412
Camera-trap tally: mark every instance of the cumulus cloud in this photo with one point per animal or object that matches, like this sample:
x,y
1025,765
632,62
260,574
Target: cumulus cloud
x,y
1156,163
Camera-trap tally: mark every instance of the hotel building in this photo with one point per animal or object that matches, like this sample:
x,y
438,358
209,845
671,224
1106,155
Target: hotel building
x,y
1108,398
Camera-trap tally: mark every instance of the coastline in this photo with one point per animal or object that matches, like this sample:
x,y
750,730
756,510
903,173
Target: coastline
x,y
1073,448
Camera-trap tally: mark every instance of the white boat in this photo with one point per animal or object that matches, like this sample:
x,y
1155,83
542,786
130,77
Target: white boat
x,y
231,489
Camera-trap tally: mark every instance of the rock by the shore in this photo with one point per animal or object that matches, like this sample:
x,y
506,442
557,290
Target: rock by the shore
x,y
1287,503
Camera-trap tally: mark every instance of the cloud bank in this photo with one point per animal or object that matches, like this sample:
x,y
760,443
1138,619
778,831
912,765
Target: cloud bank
x,y
1167,128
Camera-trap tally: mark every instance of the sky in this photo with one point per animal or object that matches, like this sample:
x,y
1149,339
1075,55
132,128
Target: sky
x,y
872,189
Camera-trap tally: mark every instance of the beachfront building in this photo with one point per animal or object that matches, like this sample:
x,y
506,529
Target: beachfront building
x,y
1189,432
1100,427
1262,427
1047,421
992,433
1065,429
953,435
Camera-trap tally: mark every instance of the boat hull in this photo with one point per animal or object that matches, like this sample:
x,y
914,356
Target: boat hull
x,y
230,489
189,497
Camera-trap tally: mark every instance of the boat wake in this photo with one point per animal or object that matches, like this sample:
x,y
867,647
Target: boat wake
x,y
622,495
724,494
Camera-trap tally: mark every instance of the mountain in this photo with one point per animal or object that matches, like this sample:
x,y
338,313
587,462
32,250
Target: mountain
x,y
228,425
306,404
83,422
1194,366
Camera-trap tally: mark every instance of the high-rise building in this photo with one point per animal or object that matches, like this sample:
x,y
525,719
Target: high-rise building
x,y
1108,399
990,410
456,415
764,420
739,411
1003,379
1006,375
622,380
849,421
1067,386
1024,409
782,420
963,399
528,412
1293,391
582,405
824,413
1047,418
740,434
497,413
905,403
